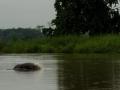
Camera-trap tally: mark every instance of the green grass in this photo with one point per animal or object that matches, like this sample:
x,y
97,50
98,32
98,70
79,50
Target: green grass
x,y
64,44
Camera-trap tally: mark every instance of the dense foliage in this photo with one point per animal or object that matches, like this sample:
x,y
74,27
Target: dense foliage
x,y
24,33
92,16
63,44
19,34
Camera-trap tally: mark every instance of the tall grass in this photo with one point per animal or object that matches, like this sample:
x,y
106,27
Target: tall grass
x,y
64,44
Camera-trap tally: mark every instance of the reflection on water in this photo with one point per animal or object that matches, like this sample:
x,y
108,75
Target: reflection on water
x,y
45,79
60,72
89,74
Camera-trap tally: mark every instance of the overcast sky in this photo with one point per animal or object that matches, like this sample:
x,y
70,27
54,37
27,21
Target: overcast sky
x,y
26,13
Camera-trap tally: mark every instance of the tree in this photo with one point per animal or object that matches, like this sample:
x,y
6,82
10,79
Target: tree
x,y
48,31
81,16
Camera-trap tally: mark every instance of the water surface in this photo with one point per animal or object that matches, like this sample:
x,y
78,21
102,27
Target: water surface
x,y
60,72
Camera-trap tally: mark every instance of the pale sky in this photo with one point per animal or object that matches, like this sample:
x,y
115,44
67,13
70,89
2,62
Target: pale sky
x,y
26,13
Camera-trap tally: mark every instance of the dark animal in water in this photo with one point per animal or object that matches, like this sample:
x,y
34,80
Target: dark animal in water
x,y
26,67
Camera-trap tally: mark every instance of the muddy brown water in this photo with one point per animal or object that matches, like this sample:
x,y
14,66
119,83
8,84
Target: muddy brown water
x,y
59,73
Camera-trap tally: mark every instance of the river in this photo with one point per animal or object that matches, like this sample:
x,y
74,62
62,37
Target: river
x,y
59,72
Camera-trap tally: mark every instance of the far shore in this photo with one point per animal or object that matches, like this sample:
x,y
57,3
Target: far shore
x,y
64,44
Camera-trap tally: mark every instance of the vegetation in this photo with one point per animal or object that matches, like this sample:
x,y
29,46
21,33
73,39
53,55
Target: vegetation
x,y
64,44
81,26
24,33
19,33
92,16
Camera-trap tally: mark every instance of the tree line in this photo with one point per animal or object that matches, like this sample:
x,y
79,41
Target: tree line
x,y
24,33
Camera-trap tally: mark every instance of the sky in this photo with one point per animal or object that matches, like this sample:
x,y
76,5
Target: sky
x,y
26,13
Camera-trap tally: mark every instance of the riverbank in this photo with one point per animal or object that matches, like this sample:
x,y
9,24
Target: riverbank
x,y
64,44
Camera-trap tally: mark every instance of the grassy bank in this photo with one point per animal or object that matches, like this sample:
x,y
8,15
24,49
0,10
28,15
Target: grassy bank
x,y
64,44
